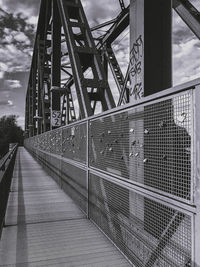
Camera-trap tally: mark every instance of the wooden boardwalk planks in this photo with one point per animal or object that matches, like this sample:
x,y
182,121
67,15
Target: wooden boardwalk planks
x,y
43,226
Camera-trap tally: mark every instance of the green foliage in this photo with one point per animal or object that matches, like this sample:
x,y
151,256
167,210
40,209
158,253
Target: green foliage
x,y
10,132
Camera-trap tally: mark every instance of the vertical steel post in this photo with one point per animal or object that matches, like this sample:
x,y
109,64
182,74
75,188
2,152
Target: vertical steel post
x,y
26,115
196,233
150,47
33,78
40,85
150,72
87,167
55,67
30,106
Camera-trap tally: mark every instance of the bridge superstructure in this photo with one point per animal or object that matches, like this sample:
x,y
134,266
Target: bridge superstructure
x,y
131,162
133,171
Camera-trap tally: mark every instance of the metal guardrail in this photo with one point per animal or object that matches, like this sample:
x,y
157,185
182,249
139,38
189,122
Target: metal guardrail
x,y
133,170
6,170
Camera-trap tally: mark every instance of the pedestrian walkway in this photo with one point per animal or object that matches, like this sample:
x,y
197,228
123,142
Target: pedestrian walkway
x,y
44,227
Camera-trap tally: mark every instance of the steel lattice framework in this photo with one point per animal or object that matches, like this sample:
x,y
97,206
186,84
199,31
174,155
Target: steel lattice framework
x,y
65,51
133,170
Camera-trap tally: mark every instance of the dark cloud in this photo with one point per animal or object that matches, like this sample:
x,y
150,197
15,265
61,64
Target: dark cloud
x,y
14,29
197,45
182,35
181,32
26,6
17,75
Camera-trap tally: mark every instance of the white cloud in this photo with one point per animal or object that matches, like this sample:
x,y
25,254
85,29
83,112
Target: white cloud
x,y
10,102
12,84
32,20
12,59
186,61
3,66
186,52
99,11
21,37
6,102
185,49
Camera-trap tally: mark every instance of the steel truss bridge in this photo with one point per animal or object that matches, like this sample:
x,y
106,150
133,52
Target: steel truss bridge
x,y
127,161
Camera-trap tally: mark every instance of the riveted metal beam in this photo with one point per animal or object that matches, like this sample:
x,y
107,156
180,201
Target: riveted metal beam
x,y
55,66
84,56
189,14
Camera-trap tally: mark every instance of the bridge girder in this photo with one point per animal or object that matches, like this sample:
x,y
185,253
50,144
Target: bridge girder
x,y
47,91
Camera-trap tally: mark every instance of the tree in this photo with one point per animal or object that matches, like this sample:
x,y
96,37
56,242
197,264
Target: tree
x,y
10,132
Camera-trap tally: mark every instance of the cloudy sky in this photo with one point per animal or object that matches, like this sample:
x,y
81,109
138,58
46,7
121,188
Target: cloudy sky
x,y
18,19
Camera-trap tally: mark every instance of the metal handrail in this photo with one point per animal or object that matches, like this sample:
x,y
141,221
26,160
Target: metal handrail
x,y
6,158
147,99
6,170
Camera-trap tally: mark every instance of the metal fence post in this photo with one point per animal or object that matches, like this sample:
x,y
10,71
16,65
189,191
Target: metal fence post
x,y
196,231
87,167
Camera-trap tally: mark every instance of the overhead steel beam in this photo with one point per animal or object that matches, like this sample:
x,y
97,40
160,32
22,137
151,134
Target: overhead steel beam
x,y
41,106
39,69
37,72
83,55
122,22
116,71
121,2
189,14
97,27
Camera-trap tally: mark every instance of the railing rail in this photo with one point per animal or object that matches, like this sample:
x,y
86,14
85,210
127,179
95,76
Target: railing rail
x,y
6,170
6,158
133,172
